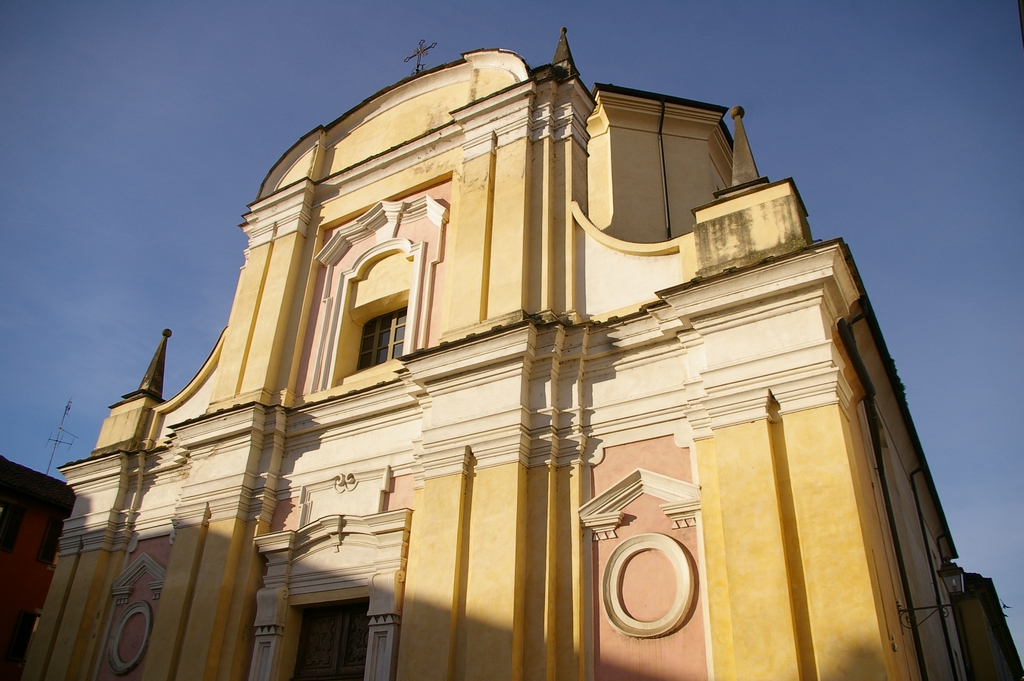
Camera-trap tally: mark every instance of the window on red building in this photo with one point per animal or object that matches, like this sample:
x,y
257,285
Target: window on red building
x,y
10,523
48,549
23,628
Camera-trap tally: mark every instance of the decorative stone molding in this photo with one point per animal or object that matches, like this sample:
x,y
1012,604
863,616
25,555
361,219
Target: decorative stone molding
x,y
325,355
381,221
104,481
603,514
500,119
339,483
122,586
279,214
755,337
334,552
612,586
118,665
271,610
438,463
560,111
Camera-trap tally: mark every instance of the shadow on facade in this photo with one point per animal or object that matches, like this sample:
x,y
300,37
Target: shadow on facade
x,y
473,648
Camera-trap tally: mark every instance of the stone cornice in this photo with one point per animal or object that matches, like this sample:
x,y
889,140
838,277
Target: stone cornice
x,y
821,265
763,337
515,343
220,427
560,111
500,119
282,213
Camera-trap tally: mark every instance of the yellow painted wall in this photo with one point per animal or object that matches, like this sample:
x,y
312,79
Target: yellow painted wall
x,y
469,238
176,599
241,322
719,600
752,551
508,254
490,628
841,609
81,626
627,182
433,581
388,276
40,651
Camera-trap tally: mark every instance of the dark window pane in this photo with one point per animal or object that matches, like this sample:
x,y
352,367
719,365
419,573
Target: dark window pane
x,y
11,525
382,339
23,628
48,549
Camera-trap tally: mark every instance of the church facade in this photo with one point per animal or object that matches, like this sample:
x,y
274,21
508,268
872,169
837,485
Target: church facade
x,y
521,381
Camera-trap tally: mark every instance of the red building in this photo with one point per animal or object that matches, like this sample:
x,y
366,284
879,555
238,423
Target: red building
x,y
33,507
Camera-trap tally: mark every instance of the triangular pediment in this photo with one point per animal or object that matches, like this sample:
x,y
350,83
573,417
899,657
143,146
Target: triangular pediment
x,y
603,513
125,582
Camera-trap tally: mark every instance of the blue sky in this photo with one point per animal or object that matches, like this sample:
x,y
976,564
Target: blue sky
x,y
132,136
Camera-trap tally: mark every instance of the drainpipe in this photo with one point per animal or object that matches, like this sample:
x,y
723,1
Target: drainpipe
x,y
664,175
931,570
870,408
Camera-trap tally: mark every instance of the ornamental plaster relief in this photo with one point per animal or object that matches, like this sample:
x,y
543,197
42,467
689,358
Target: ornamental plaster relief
x,y
645,568
334,554
240,463
135,599
415,227
101,486
763,336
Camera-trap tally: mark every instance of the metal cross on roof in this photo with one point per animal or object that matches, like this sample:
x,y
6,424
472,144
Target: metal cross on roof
x,y
419,53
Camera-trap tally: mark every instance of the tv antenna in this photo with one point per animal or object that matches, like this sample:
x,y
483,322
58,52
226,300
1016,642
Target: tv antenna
x,y
59,440
420,52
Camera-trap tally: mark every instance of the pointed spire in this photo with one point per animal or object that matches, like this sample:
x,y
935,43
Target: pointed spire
x,y
563,57
153,382
743,167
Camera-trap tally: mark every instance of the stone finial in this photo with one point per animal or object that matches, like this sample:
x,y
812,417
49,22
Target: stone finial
x,y
563,57
153,382
743,167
